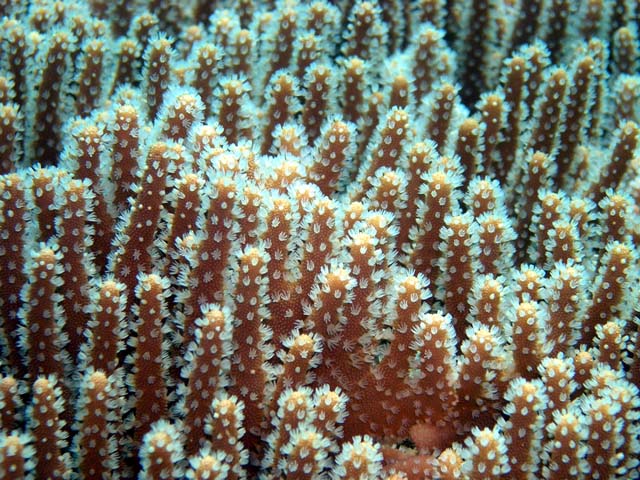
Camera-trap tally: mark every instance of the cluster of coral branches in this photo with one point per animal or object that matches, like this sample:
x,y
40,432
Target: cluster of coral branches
x,y
319,240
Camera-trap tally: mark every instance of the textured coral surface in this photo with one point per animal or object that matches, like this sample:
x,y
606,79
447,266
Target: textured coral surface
x,y
356,240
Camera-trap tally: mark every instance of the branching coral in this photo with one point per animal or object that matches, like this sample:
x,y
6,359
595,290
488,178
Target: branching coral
x,y
346,240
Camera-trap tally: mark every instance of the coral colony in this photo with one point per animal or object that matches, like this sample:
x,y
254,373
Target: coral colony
x,y
319,240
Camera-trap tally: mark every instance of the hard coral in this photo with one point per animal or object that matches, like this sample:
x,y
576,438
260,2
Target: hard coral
x,y
347,240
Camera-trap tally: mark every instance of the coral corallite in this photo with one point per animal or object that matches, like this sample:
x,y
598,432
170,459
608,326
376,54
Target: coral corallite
x,y
333,240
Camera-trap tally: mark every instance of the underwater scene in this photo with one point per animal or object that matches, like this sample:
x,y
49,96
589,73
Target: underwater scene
x,y
330,240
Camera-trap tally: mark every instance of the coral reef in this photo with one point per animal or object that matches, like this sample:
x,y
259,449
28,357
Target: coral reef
x,y
319,240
